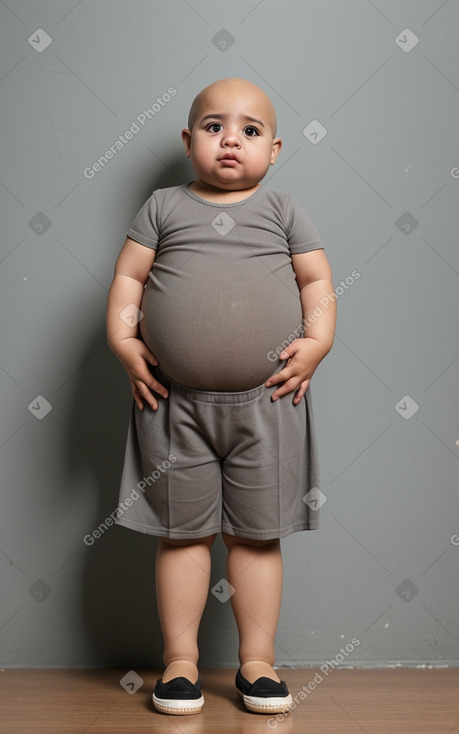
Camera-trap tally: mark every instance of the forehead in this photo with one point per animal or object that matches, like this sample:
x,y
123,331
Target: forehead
x,y
233,99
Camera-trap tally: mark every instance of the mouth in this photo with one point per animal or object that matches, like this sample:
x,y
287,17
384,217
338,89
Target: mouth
x,y
229,160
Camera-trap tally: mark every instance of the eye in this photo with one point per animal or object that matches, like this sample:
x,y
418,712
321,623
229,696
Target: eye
x,y
251,131
212,127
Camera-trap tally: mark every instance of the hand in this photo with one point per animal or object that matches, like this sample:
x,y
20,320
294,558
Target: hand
x,y
302,355
135,356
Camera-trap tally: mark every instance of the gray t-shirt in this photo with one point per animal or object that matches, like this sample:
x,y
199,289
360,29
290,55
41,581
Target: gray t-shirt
x,y
221,296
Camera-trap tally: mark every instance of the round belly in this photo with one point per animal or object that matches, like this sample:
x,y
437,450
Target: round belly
x,y
225,335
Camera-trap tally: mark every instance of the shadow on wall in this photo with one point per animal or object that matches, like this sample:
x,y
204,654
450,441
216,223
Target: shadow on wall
x,y
117,595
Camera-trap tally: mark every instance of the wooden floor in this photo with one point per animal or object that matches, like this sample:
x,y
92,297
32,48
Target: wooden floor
x,y
345,701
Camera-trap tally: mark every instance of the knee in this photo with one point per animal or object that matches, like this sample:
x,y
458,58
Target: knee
x,y
231,541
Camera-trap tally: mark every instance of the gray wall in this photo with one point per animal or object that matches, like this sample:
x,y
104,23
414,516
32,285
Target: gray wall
x,y
382,188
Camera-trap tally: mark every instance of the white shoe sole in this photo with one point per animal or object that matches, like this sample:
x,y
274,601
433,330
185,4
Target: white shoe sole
x,y
260,705
178,707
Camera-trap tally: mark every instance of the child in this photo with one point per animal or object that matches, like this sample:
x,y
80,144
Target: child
x,y
226,274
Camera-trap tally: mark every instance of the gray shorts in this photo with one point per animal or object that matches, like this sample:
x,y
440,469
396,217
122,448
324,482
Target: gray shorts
x,y
210,462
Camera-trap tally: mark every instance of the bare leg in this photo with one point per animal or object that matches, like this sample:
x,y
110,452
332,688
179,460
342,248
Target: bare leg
x,y
255,570
182,586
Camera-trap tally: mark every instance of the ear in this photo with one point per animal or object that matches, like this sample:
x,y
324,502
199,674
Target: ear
x,y
277,145
186,137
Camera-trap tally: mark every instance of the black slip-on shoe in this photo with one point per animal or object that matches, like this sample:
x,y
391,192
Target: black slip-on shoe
x,y
264,696
178,696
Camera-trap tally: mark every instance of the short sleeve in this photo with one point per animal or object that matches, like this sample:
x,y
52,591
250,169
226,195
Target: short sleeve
x,y
144,229
302,235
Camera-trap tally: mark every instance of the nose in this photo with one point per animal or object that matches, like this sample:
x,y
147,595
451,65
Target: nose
x,y
230,139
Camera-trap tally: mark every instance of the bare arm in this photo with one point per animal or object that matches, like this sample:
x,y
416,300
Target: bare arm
x,y
314,279
131,273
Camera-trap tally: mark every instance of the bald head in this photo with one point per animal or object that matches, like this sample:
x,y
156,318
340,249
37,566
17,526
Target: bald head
x,y
224,92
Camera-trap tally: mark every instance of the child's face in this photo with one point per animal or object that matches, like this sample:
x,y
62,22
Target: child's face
x,y
231,144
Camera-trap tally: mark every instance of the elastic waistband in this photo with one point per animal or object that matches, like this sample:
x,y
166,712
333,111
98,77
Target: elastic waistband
x,y
211,396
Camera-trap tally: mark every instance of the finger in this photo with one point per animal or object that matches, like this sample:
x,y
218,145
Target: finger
x,y
287,387
289,350
145,378
148,396
152,402
157,387
282,376
300,393
136,395
146,354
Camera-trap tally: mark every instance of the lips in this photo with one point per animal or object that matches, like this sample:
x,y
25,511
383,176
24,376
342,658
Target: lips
x,y
229,158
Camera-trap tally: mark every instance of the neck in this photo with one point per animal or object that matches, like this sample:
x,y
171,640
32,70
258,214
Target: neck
x,y
212,193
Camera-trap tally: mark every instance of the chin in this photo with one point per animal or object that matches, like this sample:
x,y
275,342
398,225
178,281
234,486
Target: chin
x,y
234,183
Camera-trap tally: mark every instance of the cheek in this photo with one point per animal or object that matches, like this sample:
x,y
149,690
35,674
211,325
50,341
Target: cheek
x,y
203,154
263,157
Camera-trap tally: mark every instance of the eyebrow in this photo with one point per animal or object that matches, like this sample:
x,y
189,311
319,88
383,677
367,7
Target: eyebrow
x,y
222,117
